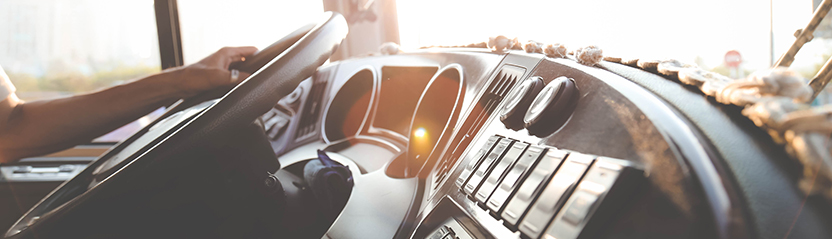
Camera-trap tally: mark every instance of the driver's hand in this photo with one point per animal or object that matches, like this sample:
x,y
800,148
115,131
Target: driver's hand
x,y
212,72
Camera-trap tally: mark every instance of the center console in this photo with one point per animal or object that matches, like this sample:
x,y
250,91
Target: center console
x,y
555,149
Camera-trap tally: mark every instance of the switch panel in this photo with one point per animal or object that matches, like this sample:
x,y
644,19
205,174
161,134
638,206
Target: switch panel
x,y
497,174
486,165
512,180
530,189
608,181
542,192
476,160
555,194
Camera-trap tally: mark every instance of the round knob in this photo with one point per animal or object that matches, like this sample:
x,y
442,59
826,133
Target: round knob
x,y
552,107
518,101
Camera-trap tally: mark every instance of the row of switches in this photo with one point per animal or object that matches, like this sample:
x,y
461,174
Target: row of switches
x,y
544,192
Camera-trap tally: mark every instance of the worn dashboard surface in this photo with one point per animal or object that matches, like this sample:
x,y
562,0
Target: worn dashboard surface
x,y
473,144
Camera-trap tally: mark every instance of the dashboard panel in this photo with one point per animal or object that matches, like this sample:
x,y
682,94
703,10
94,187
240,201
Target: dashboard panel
x,y
604,124
475,144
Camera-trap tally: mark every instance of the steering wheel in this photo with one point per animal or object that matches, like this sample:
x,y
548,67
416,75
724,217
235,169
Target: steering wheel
x,y
154,159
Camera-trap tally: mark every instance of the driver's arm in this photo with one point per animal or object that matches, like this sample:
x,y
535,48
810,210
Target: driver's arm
x,y
41,127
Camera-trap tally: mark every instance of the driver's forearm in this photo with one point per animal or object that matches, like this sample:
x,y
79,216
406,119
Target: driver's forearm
x,y
42,127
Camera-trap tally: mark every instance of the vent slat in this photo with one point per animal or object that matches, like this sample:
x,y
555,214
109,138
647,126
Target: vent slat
x,y
499,84
491,98
311,110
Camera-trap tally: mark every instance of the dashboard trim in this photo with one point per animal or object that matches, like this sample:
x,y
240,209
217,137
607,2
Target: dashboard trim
x,y
447,129
682,139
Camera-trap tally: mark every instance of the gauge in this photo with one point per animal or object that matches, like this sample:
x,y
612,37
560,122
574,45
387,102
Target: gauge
x,y
434,117
348,108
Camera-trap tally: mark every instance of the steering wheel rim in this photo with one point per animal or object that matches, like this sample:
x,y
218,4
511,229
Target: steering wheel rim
x,y
238,108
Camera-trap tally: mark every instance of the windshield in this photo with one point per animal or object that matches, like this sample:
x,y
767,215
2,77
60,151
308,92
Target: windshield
x,y
56,48
208,25
698,32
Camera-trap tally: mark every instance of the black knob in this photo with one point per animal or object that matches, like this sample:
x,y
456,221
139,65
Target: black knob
x,y
552,107
518,101
272,184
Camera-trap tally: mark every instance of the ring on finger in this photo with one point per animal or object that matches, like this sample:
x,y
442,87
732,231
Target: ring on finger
x,y
235,75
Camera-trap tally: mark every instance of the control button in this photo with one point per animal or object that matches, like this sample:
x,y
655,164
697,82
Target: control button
x,y
451,229
45,170
552,107
606,184
22,169
475,161
555,194
496,176
440,233
530,189
577,209
486,165
513,178
66,168
518,101
269,114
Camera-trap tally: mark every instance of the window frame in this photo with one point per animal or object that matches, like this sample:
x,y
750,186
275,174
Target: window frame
x,y
170,38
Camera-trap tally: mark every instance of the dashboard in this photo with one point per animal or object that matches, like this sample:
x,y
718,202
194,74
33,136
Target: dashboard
x,y
472,144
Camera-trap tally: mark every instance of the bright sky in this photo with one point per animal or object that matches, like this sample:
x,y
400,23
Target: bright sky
x,y
208,25
680,29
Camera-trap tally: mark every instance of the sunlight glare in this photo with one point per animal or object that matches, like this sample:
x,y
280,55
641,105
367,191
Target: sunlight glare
x,y
420,132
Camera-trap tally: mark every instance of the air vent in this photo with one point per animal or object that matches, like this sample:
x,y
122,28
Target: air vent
x,y
487,104
311,110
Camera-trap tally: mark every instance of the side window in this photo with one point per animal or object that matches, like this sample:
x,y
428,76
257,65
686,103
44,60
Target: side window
x,y
56,48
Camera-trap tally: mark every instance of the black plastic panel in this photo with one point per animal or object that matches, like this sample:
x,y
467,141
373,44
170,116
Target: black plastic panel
x,y
633,125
